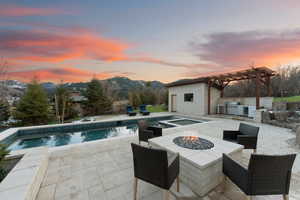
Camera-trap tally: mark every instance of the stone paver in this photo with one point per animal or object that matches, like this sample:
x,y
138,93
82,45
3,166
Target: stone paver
x,y
103,170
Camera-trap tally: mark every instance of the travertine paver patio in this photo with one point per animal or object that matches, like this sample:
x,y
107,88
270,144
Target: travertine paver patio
x,y
102,170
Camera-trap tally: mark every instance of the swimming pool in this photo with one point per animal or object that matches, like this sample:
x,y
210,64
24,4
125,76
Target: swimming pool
x,y
78,133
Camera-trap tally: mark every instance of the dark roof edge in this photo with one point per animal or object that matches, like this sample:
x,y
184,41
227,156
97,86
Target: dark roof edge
x,y
187,82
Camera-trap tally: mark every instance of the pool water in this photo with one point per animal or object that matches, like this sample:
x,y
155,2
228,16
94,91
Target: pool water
x,y
183,122
65,138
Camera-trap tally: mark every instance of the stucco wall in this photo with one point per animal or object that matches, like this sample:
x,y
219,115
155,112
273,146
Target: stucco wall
x,y
214,99
265,102
199,105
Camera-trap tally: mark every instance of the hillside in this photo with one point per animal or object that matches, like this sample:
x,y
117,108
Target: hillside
x,y
119,86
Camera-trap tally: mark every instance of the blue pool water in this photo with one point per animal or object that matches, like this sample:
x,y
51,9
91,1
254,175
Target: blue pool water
x,y
23,141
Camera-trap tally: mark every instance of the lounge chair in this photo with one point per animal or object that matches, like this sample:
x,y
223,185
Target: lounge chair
x,y
246,135
266,175
147,132
143,110
130,111
152,165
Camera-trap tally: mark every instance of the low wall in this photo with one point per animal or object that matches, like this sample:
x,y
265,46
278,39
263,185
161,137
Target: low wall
x,y
265,102
284,106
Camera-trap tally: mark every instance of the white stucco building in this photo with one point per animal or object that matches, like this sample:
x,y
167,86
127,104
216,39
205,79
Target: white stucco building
x,y
191,97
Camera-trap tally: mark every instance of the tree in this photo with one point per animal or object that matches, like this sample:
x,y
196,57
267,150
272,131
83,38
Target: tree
x,y
134,99
33,108
3,77
3,152
97,102
4,110
286,83
63,104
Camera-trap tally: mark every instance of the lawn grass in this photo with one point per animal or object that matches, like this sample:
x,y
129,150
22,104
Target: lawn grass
x,y
157,108
287,99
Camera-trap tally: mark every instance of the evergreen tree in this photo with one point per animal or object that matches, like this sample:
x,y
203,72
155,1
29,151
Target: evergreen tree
x,y
3,153
33,108
4,110
97,102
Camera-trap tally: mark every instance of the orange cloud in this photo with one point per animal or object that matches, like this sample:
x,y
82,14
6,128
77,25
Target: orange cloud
x,y
45,46
19,11
68,74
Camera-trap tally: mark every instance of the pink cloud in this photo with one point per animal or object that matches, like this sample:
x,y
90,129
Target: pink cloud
x,y
68,74
12,10
46,46
251,47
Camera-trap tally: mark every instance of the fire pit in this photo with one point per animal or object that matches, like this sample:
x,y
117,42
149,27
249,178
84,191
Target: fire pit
x,y
193,142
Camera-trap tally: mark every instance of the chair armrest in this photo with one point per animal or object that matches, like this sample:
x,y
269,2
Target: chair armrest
x,y
230,135
236,173
249,141
173,169
145,135
157,130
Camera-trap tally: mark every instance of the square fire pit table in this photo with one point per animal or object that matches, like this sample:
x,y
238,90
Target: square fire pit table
x,y
200,158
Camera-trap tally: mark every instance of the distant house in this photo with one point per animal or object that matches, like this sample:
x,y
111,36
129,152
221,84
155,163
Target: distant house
x,y
191,96
77,100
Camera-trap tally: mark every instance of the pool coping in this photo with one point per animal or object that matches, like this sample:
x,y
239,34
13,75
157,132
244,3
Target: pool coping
x,y
24,180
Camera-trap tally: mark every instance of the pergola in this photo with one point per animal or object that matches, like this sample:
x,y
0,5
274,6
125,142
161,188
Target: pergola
x,y
262,75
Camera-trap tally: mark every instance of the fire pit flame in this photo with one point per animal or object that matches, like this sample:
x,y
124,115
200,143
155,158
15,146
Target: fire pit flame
x,y
190,138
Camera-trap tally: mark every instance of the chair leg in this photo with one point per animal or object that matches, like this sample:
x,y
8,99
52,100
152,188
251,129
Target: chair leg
x,y
177,184
285,197
166,195
135,186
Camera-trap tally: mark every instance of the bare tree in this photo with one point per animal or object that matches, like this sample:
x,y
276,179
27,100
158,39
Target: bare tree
x,y
286,83
3,78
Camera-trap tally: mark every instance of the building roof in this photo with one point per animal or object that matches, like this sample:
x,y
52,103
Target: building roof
x,y
226,77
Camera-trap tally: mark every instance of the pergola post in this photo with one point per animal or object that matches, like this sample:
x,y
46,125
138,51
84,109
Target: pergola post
x,y
268,80
222,92
257,90
208,97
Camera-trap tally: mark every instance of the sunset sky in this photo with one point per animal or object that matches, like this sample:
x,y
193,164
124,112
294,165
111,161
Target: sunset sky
x,y
165,40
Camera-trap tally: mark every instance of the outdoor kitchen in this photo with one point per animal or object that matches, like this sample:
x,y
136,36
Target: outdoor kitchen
x,y
242,106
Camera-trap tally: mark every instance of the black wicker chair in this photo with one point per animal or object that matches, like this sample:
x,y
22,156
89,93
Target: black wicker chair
x,y
152,165
147,132
266,175
246,135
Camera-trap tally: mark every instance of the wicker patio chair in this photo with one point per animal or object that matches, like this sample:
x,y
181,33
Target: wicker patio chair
x,y
147,132
152,165
266,175
246,135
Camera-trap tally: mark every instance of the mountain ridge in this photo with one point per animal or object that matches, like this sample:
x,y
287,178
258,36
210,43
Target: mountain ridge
x,y
119,86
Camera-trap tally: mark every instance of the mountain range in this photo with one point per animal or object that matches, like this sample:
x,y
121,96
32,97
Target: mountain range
x,y
120,86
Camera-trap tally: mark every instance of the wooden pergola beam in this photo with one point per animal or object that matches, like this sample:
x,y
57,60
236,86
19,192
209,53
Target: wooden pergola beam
x,y
261,75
